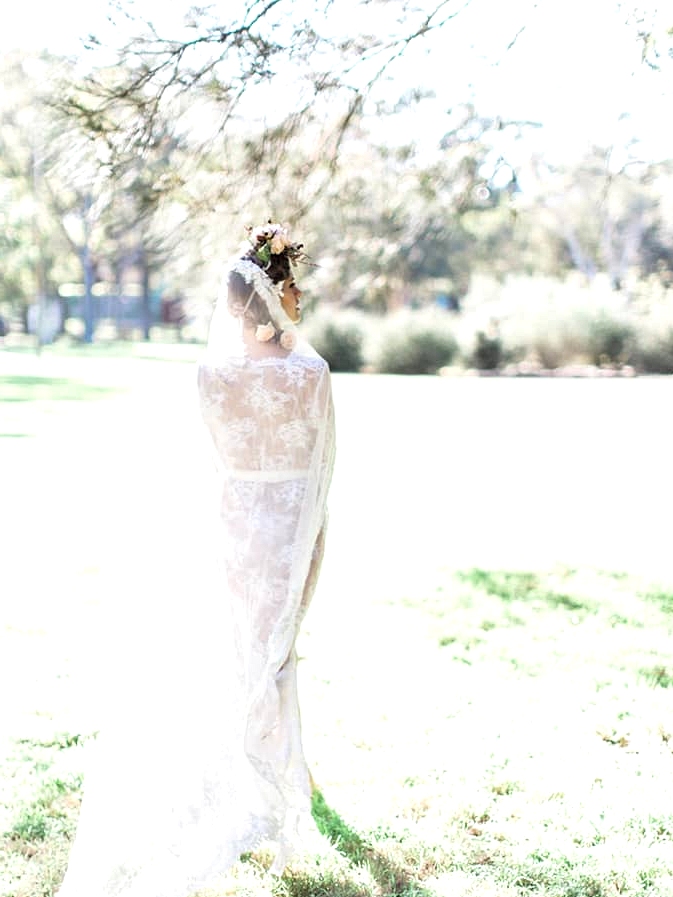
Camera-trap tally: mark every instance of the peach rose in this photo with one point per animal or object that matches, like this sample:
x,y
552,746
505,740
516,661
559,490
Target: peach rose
x,y
288,340
265,332
277,243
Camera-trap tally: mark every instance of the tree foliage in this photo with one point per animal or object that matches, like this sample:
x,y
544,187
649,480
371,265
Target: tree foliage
x,y
604,218
68,217
308,53
148,168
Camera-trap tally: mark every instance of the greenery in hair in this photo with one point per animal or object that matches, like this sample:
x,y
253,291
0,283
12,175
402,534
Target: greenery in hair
x,y
273,239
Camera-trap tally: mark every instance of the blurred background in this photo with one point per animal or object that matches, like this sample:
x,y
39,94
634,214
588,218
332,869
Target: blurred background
x,y
485,190
480,186
482,191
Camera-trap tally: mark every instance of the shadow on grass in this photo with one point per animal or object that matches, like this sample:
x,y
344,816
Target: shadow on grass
x,y
511,586
663,598
393,879
28,388
186,351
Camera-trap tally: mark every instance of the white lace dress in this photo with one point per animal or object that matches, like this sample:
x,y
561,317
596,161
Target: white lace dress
x,y
208,761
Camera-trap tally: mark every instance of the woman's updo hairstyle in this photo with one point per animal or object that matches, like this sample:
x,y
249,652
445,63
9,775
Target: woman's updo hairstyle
x,y
278,268
271,250
241,294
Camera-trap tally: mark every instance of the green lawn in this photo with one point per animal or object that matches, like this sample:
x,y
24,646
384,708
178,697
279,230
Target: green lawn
x,y
487,682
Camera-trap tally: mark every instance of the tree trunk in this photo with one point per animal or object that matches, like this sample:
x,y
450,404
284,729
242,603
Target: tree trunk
x,y
87,267
147,311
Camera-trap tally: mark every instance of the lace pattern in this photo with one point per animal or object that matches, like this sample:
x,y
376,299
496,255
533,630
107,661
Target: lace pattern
x,y
266,289
207,761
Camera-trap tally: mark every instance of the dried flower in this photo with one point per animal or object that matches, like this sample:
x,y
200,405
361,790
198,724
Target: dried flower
x,y
278,243
274,239
265,332
288,340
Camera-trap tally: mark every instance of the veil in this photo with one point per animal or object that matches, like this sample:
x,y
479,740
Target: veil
x,y
209,763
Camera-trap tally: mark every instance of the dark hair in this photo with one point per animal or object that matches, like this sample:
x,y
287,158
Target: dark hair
x,y
244,302
278,268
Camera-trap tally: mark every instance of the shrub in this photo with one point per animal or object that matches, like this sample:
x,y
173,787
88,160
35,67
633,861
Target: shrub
x,y
339,337
549,335
610,338
415,343
567,324
653,353
488,353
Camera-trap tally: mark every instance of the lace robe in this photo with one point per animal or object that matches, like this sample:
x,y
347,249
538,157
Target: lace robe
x,y
208,761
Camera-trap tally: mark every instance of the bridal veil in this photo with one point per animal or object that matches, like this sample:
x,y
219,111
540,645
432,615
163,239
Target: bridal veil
x,y
205,761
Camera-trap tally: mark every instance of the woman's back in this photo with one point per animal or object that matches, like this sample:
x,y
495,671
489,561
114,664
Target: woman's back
x,y
267,416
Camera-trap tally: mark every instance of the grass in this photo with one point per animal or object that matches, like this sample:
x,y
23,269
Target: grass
x,y
475,731
661,598
542,767
159,349
515,587
31,388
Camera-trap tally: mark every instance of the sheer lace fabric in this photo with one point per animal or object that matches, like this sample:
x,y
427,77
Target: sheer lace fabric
x,y
275,454
206,760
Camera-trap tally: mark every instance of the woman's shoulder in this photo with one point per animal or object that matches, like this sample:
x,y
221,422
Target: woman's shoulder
x,y
313,361
294,368
311,368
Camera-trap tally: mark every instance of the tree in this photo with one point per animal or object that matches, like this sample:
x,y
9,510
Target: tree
x,y
68,216
653,29
34,253
396,227
260,71
603,216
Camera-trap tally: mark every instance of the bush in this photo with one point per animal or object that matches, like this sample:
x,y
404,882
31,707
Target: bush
x,y
546,323
547,335
488,353
564,323
415,343
610,338
653,353
339,337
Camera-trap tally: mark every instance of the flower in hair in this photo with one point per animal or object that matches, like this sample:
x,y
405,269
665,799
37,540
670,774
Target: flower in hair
x,y
279,242
273,239
288,340
265,332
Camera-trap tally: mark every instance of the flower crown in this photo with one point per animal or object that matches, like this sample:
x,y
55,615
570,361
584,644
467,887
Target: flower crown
x,y
273,239
268,240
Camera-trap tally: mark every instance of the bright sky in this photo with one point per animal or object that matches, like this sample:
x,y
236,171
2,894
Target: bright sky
x,y
575,67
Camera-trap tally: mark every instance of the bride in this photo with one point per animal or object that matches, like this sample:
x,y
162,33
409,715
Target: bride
x,y
206,760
